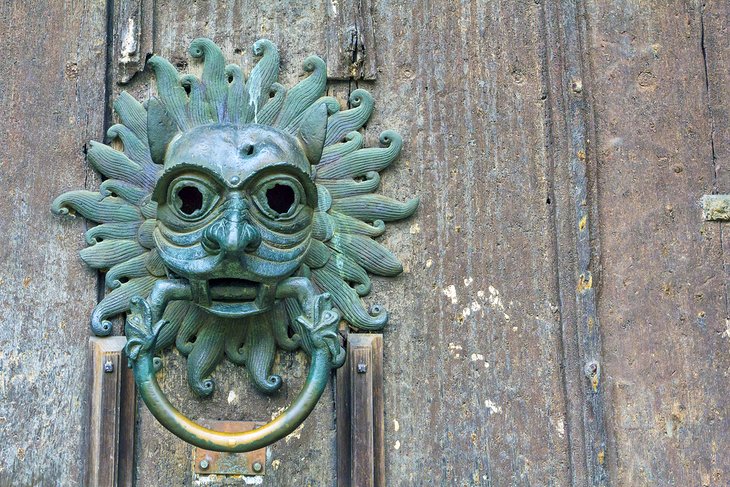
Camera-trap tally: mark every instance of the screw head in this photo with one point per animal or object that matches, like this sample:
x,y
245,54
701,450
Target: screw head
x,y
108,366
362,368
257,467
204,464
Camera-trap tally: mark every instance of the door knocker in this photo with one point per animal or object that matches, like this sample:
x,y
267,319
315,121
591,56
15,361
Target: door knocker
x,y
237,217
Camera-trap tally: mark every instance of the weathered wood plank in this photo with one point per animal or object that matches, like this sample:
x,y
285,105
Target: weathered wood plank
x,y
715,24
569,130
360,414
351,50
342,418
376,345
361,406
473,351
106,374
662,283
52,103
127,426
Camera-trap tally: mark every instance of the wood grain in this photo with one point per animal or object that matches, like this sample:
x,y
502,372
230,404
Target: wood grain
x,y
569,131
376,344
342,417
663,294
350,42
360,413
127,426
473,351
52,103
361,429
106,376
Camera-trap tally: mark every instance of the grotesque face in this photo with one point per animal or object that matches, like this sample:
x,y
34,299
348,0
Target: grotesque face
x,y
235,207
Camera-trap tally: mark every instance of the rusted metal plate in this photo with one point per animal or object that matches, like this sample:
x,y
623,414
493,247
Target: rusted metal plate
x,y
206,462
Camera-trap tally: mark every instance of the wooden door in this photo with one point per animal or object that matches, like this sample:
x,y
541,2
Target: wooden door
x,y
563,315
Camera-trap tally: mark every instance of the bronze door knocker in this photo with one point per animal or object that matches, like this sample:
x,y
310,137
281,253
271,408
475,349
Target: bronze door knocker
x,y
238,218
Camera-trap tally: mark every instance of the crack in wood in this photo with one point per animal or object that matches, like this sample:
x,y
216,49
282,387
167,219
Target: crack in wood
x,y
350,41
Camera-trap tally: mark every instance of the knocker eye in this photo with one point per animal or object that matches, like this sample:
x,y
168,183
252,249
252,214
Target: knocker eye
x,y
279,197
191,199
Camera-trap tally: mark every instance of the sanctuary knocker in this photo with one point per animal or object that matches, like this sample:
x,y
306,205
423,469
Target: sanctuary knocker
x,y
239,217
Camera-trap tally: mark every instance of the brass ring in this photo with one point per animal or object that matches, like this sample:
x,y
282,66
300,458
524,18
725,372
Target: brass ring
x,y
237,442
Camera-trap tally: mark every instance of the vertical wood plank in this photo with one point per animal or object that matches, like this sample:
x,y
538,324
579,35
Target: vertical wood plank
x,y
342,417
359,403
361,400
106,372
663,284
473,346
569,131
127,425
376,343
715,41
52,98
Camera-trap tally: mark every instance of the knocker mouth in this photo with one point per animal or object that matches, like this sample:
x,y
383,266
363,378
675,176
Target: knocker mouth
x,y
233,297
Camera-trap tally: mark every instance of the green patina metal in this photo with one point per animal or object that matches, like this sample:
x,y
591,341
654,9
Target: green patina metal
x,y
238,218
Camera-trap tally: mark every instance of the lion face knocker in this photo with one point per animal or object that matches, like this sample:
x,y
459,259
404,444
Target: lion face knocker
x,y
238,218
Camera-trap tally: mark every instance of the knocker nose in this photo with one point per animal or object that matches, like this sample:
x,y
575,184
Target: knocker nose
x,y
249,238
231,235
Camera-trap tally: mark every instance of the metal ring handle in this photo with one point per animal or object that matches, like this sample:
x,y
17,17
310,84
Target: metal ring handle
x,y
319,340
193,433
